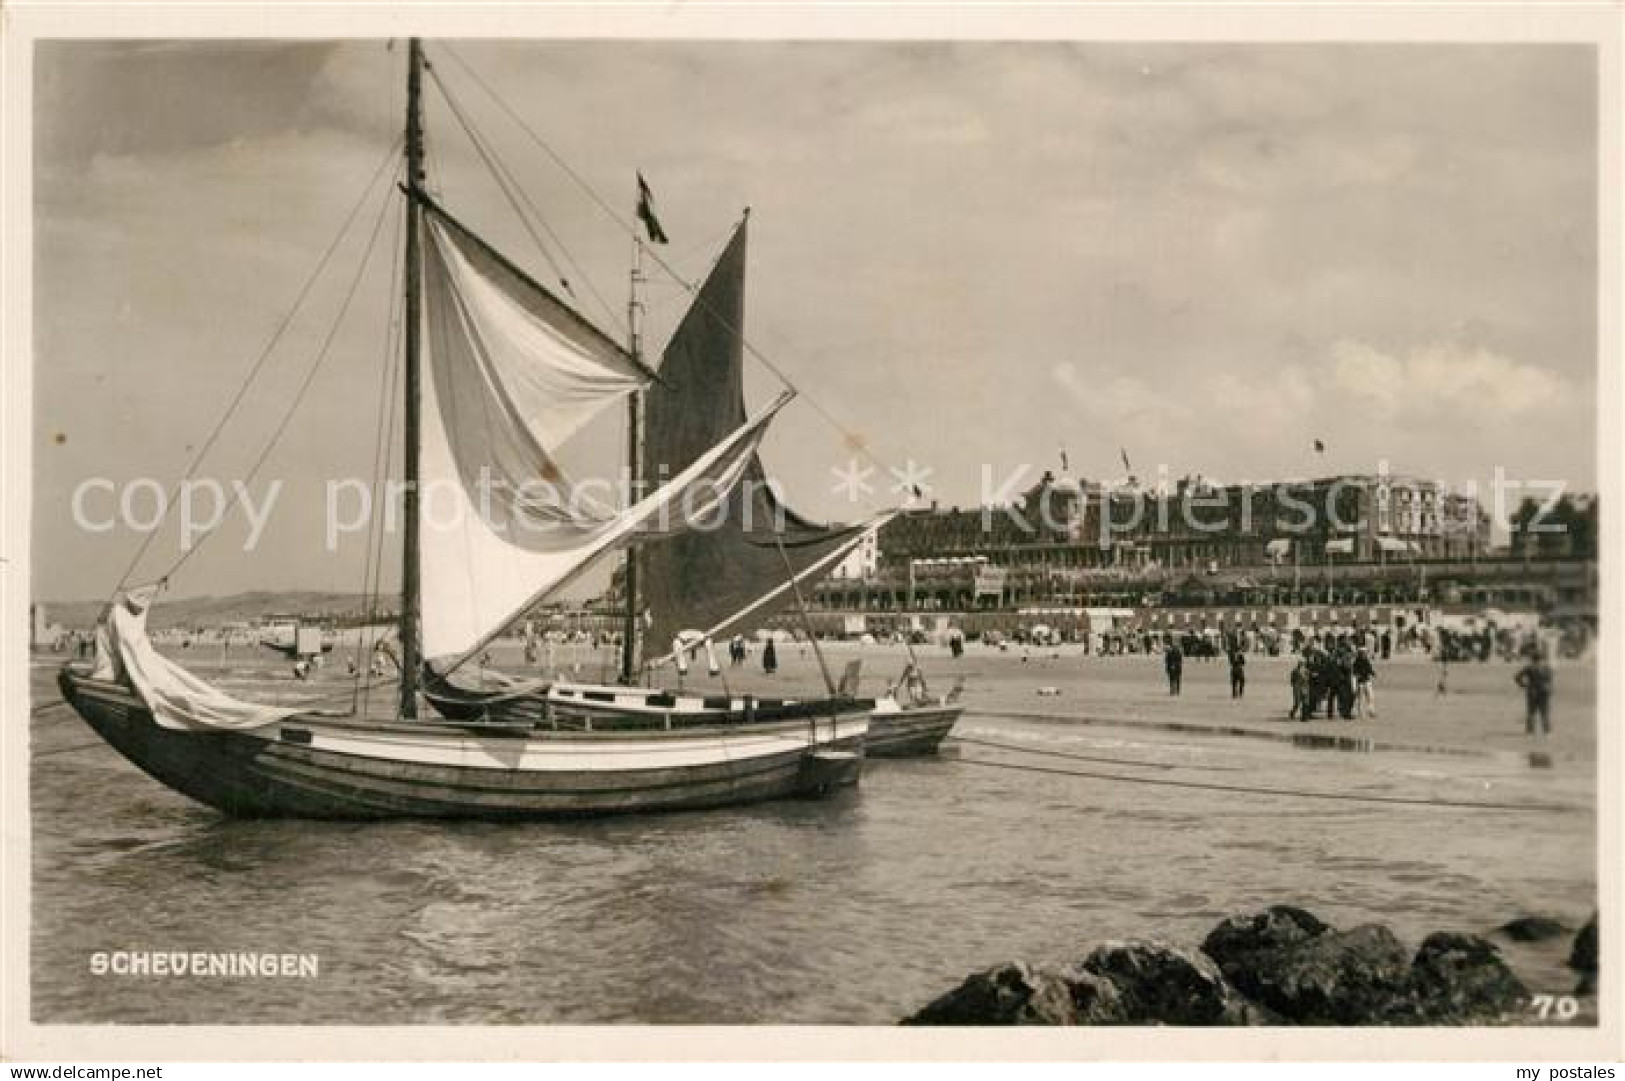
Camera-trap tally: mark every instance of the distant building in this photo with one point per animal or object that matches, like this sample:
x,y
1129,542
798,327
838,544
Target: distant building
x,y
862,562
1377,539
1199,526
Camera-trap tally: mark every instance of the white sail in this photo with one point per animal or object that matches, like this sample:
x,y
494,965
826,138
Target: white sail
x,y
554,369
515,372
479,573
512,373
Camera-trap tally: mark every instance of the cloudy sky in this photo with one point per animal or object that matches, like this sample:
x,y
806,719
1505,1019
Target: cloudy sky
x,y
968,255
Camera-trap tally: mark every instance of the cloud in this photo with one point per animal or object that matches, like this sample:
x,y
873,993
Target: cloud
x,y
1446,382
1123,399
1215,418
144,97
1237,249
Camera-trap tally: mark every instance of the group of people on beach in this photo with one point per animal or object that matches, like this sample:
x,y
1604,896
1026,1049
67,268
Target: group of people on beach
x,y
1335,673
1173,661
739,652
1338,675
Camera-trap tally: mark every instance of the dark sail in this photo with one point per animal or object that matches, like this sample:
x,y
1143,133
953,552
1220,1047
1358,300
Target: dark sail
x,y
701,579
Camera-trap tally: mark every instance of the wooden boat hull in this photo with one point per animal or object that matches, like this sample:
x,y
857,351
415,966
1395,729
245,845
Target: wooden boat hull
x,y
318,766
565,705
909,733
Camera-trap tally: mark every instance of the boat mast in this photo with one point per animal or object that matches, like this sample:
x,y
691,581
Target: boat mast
x,y
634,465
411,603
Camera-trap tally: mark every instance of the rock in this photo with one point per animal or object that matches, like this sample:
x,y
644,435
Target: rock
x,y
1457,979
1583,957
1357,977
1276,927
1278,966
1012,994
1095,999
1161,984
1532,929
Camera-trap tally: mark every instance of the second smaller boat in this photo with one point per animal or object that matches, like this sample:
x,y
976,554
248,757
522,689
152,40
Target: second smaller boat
x,y
907,721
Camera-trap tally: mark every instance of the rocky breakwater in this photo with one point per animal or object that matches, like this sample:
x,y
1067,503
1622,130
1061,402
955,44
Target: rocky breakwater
x,y
1282,966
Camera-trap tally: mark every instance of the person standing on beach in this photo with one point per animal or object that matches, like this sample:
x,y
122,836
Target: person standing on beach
x,y
1328,678
1346,688
1299,679
1238,672
1365,676
1536,680
1174,663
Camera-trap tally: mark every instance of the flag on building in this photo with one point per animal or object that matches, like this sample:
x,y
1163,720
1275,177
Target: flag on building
x,y
646,212
1320,448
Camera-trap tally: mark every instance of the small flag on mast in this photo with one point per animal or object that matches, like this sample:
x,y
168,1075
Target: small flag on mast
x,y
1320,448
646,212
1124,454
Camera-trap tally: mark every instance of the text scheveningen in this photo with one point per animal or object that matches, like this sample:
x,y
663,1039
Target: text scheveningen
x,y
206,965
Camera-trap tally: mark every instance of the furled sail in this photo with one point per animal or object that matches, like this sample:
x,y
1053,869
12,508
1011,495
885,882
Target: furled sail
x,y
176,697
713,579
512,373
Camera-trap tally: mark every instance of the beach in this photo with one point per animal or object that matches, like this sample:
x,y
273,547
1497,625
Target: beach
x,y
1102,808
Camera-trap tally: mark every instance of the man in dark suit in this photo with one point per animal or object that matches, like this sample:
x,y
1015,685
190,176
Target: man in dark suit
x,y
1174,663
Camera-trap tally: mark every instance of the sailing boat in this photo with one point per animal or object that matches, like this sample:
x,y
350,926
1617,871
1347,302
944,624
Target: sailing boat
x,y
701,584
704,585
513,371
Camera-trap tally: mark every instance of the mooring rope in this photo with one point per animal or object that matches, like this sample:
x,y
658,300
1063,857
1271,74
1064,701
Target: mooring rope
x,y
67,750
1075,757
1250,790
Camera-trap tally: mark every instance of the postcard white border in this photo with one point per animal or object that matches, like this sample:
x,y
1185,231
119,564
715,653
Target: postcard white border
x,y
24,23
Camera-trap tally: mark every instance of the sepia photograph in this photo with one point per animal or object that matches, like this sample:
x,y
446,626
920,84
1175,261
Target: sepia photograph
x,y
877,530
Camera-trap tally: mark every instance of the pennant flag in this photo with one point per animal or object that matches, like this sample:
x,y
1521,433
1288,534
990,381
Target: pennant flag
x,y
646,212
1124,455
1320,448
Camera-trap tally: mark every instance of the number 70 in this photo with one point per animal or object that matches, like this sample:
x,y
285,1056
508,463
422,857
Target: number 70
x,y
1563,1007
